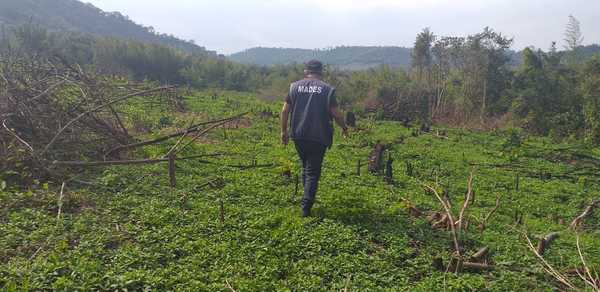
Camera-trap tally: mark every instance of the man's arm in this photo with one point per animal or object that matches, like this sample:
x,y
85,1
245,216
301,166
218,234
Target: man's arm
x,y
339,119
285,113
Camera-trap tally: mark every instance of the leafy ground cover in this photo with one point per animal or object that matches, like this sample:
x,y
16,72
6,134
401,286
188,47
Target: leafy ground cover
x,y
227,227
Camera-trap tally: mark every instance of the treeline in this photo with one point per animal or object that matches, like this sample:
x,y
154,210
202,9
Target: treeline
x,y
470,81
133,59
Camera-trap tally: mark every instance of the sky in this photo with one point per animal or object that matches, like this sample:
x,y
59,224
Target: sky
x,y
229,26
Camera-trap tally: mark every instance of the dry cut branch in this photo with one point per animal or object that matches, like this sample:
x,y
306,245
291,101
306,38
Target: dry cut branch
x,y
589,210
546,241
95,109
481,226
192,129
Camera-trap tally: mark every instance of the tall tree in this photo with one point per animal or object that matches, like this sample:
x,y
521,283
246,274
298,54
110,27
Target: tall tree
x,y
421,54
573,40
573,35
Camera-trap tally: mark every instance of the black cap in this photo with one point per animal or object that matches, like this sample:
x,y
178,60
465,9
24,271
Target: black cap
x,y
313,66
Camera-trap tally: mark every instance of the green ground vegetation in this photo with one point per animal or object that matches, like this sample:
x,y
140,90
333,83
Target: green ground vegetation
x,y
131,231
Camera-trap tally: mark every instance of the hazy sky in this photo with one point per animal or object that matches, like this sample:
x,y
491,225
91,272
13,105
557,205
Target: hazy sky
x,y
228,26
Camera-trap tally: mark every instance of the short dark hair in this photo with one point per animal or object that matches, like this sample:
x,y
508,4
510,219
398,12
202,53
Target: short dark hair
x,y
313,66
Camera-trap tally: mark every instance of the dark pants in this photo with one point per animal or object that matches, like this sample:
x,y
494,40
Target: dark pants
x,y
311,154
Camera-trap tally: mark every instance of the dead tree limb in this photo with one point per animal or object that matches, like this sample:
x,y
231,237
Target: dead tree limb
x,y
172,150
481,226
60,201
480,254
586,213
461,215
549,268
192,129
476,267
449,214
95,109
546,241
587,278
17,137
123,162
202,133
119,121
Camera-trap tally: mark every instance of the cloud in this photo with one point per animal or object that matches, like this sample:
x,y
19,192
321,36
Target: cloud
x,y
233,25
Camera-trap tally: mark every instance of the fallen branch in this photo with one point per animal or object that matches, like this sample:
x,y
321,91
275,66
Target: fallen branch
x,y
481,226
587,212
17,137
202,133
192,129
480,254
465,204
229,286
126,162
590,280
95,109
449,214
45,92
476,267
546,241
549,268
60,202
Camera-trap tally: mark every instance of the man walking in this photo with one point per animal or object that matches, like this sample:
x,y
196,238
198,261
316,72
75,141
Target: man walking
x,y
312,105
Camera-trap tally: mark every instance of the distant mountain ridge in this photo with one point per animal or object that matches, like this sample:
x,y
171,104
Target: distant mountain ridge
x,y
76,16
356,57
344,57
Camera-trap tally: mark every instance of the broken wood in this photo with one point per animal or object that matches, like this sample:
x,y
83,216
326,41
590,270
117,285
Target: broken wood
x,y
441,223
60,200
545,242
459,266
95,109
376,158
192,129
447,207
589,210
434,217
480,254
481,226
124,162
461,215
476,267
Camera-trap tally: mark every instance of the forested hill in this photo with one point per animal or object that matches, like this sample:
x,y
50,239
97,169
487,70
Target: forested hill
x,y
76,16
357,57
346,57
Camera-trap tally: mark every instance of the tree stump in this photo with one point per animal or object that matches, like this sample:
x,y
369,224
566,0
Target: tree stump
x,y
350,119
375,158
389,172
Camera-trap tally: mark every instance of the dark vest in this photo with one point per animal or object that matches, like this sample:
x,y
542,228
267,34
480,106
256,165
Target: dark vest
x,y
310,119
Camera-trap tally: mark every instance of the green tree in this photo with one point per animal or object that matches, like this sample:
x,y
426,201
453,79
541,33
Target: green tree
x,y
591,97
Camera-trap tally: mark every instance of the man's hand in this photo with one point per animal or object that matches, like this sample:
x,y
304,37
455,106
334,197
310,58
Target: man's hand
x,y
285,138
